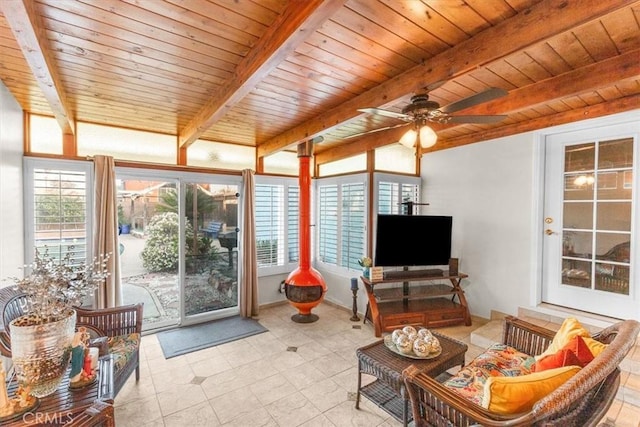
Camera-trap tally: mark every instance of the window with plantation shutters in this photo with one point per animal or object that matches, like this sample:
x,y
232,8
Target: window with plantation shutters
x,y
328,224
391,195
276,220
342,219
352,224
269,221
58,205
293,225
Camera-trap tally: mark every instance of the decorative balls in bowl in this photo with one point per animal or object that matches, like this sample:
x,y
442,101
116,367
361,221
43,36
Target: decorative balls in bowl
x,y
413,342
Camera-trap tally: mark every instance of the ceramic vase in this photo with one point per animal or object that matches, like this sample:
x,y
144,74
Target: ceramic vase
x,y
41,353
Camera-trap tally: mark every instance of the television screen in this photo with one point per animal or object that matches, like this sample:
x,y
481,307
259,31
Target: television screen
x,y
410,240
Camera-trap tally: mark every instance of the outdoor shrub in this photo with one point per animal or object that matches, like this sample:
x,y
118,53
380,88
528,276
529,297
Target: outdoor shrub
x,y
160,251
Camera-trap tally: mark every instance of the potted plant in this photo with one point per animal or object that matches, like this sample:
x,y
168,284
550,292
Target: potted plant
x,y
366,263
41,338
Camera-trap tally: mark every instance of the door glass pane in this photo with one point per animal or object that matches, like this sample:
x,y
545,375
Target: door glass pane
x,y
576,273
211,264
596,242
149,236
616,154
577,244
615,216
578,215
579,157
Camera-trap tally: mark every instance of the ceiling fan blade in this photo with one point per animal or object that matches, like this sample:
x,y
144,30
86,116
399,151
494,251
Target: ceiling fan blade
x,y
375,130
476,119
385,113
478,98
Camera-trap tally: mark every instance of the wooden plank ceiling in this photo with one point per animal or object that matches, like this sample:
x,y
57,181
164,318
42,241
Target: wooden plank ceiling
x,y
273,73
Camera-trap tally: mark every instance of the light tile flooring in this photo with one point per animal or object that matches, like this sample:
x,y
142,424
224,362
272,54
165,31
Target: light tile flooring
x,y
293,375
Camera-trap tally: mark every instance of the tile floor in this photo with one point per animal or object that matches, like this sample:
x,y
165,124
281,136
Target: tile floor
x,y
261,381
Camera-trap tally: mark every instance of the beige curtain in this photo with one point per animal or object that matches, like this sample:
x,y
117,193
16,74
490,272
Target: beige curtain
x,y
105,233
249,279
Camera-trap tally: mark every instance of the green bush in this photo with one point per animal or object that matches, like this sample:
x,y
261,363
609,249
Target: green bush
x,y
160,251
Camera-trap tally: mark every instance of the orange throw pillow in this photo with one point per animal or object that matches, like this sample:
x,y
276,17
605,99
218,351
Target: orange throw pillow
x,y
564,357
575,352
579,347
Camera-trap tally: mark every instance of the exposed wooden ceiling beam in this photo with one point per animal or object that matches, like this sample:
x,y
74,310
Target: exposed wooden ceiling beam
x,y
588,78
31,36
615,106
299,21
543,21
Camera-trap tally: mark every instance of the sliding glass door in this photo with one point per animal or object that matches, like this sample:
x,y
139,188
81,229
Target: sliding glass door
x,y
178,244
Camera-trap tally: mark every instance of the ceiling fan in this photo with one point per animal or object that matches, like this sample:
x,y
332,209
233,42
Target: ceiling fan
x,y
421,111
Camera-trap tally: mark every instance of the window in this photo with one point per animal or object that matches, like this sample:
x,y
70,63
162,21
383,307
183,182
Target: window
x,y
126,144
342,219
58,206
276,219
393,191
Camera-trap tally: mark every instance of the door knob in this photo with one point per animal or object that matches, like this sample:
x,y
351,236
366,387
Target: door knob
x,y
549,232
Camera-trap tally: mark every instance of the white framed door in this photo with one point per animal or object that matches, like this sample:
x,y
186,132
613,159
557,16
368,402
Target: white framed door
x,y
591,219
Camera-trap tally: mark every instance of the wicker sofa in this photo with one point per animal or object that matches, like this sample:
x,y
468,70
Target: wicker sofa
x,y
580,401
122,327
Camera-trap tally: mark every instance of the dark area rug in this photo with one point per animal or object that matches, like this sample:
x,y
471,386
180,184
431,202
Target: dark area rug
x,y
176,342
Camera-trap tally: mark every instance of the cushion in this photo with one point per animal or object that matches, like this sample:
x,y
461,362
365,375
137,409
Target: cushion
x,y
595,346
575,352
512,395
123,348
499,359
564,357
570,328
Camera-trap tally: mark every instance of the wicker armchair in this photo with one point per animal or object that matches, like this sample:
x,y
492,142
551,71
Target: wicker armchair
x,y
582,401
108,322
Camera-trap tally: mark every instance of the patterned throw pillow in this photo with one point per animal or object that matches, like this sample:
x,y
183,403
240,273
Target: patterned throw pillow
x,y
497,360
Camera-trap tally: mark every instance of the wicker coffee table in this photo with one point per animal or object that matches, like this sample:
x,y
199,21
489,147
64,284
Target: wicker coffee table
x,y
388,390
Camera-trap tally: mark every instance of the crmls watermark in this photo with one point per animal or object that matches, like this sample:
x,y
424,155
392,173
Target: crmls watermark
x,y
38,418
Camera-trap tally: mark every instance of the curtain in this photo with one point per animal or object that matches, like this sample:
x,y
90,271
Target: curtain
x,y
249,276
105,233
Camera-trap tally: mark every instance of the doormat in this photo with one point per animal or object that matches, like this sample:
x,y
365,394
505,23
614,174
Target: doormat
x,y
176,342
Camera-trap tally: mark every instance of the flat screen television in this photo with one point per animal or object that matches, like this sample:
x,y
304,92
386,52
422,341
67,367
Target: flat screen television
x,y
412,240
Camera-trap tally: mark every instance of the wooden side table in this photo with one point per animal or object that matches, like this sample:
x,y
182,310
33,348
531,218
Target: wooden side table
x,y
64,404
388,390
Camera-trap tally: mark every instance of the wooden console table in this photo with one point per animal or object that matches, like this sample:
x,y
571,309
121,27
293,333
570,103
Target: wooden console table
x,y
419,301
65,405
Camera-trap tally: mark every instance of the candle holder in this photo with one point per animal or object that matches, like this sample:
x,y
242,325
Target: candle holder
x,y
354,290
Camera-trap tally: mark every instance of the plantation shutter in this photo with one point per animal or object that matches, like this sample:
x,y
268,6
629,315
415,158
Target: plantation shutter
x,y
391,195
58,198
328,224
293,234
352,224
269,219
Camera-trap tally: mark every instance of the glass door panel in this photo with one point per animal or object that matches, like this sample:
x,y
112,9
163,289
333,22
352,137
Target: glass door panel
x,y
211,251
149,241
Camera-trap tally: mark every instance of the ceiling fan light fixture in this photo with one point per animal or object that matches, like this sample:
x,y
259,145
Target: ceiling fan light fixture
x,y
409,138
428,137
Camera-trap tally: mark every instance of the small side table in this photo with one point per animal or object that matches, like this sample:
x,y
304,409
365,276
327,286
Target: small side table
x,y
64,404
388,390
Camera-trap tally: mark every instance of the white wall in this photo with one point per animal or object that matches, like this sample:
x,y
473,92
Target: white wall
x,y
11,207
488,188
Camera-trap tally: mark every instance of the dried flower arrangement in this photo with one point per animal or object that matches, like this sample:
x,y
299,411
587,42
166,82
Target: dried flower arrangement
x,y
54,286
